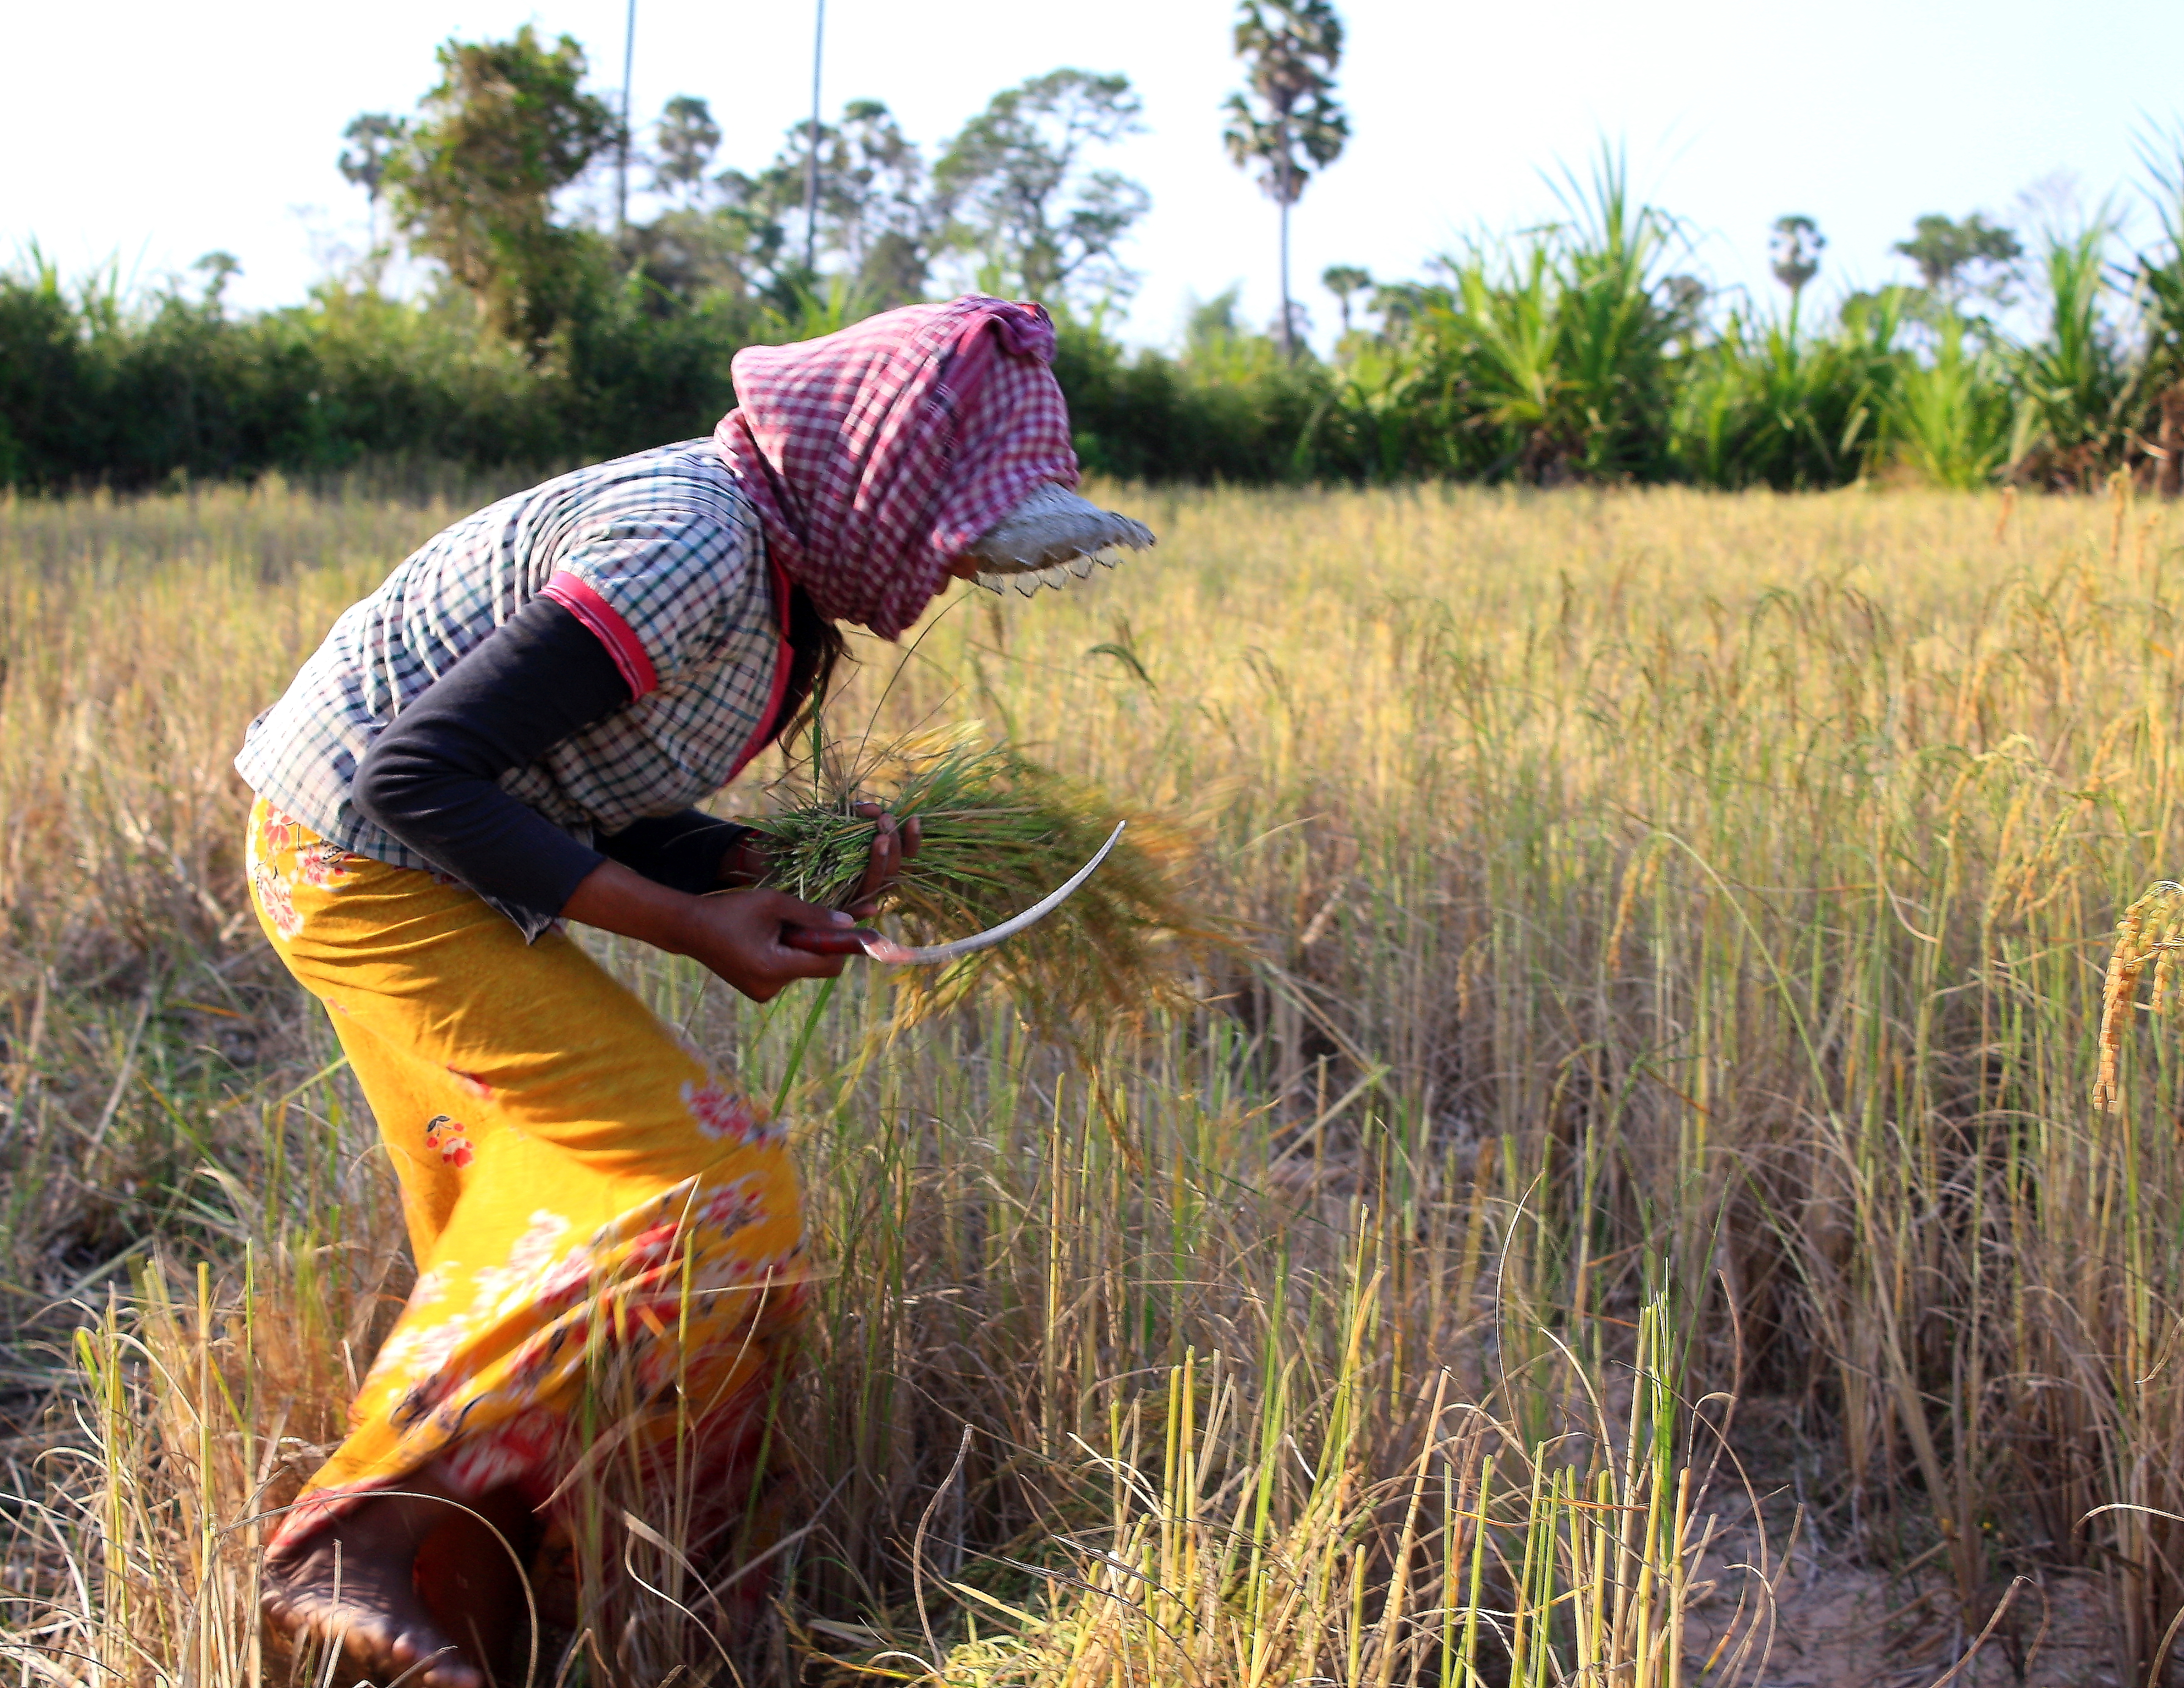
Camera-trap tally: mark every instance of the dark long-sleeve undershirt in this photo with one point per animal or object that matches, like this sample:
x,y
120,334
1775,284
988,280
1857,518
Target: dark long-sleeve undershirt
x,y
431,779
683,851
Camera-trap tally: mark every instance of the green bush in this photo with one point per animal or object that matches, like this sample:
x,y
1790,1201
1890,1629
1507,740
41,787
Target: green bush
x,y
1229,409
1765,405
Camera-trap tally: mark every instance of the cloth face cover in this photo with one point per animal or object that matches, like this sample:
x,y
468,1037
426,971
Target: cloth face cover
x,y
876,456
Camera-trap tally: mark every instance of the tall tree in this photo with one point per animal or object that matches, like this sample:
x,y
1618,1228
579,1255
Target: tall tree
x,y
873,211
507,127
684,141
218,269
875,225
1794,246
876,181
1342,280
372,137
1287,124
1013,187
1947,254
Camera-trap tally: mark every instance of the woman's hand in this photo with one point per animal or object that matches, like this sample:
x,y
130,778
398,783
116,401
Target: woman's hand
x,y
893,844
736,936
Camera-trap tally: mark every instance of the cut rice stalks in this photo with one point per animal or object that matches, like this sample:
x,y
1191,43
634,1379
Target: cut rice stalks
x,y
1000,831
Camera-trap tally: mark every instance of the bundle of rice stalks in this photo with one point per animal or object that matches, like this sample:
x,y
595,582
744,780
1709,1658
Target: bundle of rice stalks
x,y
1000,831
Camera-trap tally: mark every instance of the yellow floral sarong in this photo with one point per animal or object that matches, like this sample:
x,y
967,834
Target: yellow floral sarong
x,y
608,1242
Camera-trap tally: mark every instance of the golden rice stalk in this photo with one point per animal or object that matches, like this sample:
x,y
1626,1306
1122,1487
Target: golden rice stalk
x,y
1000,831
2162,909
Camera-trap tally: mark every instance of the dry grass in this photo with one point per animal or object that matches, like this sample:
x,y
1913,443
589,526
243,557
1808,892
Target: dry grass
x,y
1680,928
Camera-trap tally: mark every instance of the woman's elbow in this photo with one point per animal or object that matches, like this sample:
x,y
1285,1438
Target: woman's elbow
x,y
385,788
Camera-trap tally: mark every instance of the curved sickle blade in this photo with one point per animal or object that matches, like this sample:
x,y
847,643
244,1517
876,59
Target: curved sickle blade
x,y
894,955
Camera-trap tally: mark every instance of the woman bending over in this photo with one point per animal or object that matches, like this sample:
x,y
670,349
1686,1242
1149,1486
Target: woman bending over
x,y
511,733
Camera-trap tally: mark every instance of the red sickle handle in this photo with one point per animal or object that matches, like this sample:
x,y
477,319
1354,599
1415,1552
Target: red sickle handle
x,y
817,940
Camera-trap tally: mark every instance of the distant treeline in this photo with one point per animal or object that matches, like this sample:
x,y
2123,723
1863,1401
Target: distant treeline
x,y
1570,353
93,392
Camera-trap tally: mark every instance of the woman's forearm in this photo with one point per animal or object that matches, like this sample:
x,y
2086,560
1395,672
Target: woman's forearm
x,y
620,900
739,935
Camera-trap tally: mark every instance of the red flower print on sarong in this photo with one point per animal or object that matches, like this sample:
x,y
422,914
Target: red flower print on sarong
x,y
273,897
445,1137
472,1085
522,1450
724,1114
322,864
730,1207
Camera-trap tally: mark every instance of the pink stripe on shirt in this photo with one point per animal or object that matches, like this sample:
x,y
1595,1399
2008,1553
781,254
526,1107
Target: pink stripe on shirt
x,y
575,595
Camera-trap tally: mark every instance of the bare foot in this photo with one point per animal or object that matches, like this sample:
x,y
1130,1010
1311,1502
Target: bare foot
x,y
353,1584
471,1572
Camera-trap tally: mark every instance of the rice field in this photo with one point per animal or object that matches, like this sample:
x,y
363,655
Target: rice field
x,y
1628,1208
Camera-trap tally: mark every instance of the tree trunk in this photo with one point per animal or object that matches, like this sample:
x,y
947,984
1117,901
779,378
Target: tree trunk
x,y
621,163
1289,350
812,166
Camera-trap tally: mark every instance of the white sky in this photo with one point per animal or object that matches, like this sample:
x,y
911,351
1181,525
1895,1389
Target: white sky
x,y
154,133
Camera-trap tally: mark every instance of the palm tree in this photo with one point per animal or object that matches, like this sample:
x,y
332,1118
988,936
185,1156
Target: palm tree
x,y
371,137
1287,123
685,140
1793,251
1342,280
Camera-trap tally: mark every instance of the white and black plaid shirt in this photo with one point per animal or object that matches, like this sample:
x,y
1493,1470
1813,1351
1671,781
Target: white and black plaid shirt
x,y
660,554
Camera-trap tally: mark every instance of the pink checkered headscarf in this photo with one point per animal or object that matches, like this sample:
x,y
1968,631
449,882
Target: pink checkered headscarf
x,y
877,455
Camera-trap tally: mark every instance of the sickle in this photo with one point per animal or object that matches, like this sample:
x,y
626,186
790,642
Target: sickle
x,y
864,941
